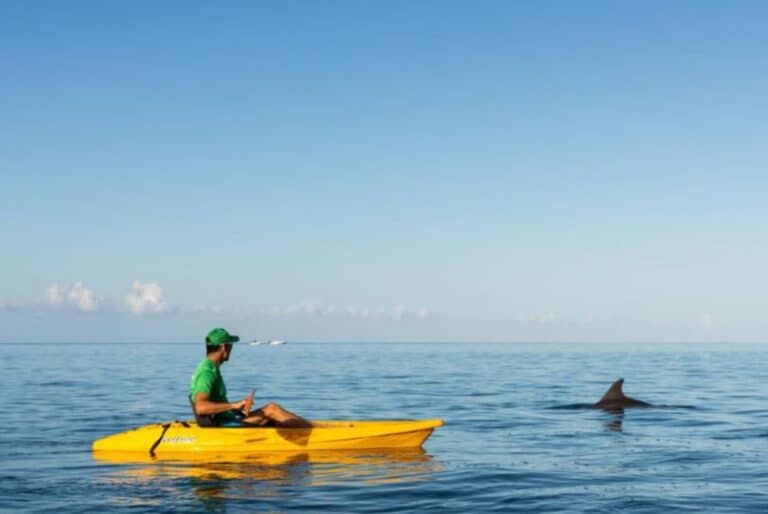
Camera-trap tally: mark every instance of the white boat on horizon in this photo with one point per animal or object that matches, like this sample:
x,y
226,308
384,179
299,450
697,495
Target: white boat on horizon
x,y
275,342
255,342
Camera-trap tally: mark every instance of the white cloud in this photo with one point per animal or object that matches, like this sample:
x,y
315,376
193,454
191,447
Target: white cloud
x,y
54,295
305,308
705,321
12,306
146,298
207,309
313,309
542,318
78,295
82,297
398,311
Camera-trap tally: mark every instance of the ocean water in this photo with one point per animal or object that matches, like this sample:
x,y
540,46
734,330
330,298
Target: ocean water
x,y
514,439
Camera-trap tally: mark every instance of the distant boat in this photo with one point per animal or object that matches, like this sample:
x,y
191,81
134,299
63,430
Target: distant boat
x,y
255,343
275,342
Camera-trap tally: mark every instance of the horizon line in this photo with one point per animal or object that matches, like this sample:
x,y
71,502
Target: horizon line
x,y
402,342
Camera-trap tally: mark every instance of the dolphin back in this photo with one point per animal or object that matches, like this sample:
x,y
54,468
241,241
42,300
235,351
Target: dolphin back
x,y
614,398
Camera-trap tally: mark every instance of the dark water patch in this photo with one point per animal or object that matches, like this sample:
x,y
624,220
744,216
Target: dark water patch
x,y
677,407
57,383
740,434
752,412
579,406
572,406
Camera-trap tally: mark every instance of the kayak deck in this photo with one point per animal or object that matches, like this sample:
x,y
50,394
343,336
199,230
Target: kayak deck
x,y
186,437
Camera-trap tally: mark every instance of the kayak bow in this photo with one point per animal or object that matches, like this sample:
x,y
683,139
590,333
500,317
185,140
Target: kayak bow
x,y
179,437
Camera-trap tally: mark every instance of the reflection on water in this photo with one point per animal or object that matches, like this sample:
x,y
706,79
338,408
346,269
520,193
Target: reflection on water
x,y
616,421
263,475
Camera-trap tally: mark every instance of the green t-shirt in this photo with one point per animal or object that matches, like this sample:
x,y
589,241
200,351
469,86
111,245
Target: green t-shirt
x,y
207,379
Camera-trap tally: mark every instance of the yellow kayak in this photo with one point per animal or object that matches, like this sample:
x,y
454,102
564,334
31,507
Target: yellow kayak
x,y
185,437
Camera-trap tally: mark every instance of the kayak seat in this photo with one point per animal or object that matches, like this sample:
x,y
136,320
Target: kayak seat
x,y
230,424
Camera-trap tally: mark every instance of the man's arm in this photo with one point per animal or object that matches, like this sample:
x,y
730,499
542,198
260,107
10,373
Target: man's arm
x,y
204,406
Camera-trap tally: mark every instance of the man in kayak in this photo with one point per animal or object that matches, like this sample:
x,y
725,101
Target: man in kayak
x,y
208,394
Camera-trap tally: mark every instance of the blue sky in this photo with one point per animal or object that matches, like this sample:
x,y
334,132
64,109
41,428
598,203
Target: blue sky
x,y
401,171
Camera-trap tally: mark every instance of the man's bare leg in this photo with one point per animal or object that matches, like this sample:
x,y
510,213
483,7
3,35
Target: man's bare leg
x,y
257,419
278,415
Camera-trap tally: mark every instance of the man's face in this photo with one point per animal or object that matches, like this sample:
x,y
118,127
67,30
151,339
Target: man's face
x,y
227,352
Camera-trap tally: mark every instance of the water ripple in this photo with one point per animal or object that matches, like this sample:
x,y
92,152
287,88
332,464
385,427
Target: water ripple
x,y
515,439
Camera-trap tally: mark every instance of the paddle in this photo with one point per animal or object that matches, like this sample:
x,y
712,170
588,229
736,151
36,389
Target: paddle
x,y
248,403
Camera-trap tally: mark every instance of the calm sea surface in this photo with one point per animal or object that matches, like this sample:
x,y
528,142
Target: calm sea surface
x,y
511,442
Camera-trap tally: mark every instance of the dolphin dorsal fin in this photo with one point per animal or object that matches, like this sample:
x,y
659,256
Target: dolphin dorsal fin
x,y
614,392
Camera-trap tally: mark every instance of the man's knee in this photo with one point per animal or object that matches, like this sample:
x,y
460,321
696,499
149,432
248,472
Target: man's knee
x,y
271,408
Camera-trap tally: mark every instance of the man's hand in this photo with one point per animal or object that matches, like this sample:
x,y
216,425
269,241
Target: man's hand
x,y
237,405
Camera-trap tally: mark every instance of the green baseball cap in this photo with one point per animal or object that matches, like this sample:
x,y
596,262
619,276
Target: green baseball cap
x,y
219,336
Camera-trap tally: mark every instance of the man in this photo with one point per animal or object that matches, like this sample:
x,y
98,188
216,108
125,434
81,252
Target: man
x,y
208,394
